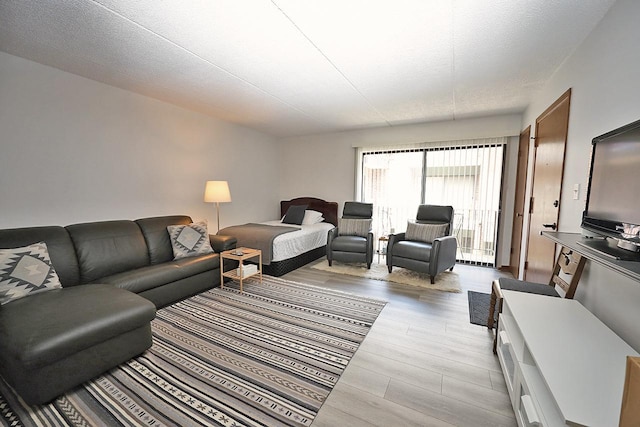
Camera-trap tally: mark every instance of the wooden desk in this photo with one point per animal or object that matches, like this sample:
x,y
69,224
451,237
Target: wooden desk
x,y
630,269
564,367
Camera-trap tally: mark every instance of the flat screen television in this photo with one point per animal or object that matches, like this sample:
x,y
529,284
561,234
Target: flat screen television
x,y
613,203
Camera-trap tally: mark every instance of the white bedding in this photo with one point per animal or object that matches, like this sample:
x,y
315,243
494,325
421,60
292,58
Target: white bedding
x,y
289,245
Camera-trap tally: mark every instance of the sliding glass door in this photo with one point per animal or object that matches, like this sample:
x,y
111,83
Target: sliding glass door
x,y
467,177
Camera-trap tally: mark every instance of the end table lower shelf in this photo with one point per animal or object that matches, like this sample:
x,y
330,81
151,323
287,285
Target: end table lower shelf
x,y
241,255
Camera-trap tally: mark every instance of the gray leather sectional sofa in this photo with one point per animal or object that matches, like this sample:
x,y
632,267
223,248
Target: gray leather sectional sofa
x,y
114,274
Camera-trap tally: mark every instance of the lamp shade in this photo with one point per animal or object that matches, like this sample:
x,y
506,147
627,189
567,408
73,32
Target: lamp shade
x,y
217,191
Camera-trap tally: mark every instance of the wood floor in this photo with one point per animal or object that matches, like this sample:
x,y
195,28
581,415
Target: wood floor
x,y
422,363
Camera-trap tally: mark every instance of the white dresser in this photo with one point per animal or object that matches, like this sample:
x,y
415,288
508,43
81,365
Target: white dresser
x,y
561,364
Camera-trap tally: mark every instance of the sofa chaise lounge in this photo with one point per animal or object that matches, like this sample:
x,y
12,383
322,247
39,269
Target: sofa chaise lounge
x,y
114,274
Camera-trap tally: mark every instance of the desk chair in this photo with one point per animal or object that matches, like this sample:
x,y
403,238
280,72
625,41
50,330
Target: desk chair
x,y
568,262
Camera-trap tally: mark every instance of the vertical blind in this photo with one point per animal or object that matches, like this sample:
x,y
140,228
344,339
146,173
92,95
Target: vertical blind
x,y
467,176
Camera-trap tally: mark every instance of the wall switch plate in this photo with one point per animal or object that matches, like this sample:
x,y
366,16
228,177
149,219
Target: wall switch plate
x,y
576,191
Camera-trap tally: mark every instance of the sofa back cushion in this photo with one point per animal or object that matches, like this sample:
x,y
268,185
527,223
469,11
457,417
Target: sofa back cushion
x,y
108,247
156,235
436,214
59,246
357,210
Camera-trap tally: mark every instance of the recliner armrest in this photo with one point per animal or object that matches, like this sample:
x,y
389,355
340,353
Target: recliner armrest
x,y
443,254
332,234
445,243
222,243
444,238
393,239
396,238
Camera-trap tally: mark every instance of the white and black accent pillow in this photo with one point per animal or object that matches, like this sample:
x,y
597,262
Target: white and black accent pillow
x,y
425,232
25,271
354,227
189,240
294,215
312,217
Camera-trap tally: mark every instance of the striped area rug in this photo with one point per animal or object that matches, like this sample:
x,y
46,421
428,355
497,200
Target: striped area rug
x,y
266,357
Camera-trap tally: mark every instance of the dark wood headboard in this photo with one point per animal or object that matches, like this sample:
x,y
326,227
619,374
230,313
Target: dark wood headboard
x,y
329,209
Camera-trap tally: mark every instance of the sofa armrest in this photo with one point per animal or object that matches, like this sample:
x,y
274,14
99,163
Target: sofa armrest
x,y
222,243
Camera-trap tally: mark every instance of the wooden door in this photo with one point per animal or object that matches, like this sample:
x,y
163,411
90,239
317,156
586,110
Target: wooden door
x,y
518,207
551,138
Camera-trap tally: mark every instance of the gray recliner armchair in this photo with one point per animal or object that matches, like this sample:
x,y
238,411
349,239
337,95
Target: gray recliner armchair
x,y
352,240
427,246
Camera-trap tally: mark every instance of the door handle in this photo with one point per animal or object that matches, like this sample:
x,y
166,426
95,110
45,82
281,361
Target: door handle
x,y
551,226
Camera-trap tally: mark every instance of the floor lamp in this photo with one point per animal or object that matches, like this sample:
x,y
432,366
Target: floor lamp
x,y
218,192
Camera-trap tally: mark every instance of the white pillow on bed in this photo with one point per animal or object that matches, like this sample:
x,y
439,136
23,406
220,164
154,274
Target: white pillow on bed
x,y
312,217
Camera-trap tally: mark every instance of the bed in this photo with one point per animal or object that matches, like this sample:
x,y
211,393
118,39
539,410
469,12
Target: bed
x,y
292,245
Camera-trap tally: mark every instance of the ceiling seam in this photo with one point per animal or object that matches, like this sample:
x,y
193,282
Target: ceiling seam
x,y
332,63
96,2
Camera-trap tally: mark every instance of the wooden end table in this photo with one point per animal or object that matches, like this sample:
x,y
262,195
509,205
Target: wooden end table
x,y
382,239
240,255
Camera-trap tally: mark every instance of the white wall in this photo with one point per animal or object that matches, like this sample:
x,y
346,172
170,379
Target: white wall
x,y
74,150
324,165
604,74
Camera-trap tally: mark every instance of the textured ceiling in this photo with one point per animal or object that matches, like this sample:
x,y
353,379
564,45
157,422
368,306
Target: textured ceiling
x,y
292,67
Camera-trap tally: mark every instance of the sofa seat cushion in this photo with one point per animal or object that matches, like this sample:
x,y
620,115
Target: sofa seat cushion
x,y
349,244
509,284
412,250
43,328
153,276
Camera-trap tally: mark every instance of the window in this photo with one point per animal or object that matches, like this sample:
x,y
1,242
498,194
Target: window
x,y
468,177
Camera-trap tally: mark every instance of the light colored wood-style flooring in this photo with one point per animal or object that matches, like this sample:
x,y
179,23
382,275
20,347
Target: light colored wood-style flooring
x,y
422,363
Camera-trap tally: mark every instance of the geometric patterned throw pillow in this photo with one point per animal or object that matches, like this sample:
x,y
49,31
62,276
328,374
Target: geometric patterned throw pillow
x,y
189,240
26,271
